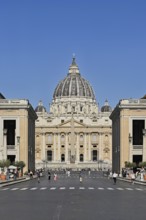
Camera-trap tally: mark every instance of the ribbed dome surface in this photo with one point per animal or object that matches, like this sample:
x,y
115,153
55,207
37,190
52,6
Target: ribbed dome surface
x,y
74,85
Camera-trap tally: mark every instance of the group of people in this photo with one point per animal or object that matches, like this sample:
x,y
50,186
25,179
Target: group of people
x,y
49,176
55,177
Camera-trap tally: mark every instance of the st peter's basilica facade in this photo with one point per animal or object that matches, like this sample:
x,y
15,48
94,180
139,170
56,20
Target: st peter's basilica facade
x,y
75,133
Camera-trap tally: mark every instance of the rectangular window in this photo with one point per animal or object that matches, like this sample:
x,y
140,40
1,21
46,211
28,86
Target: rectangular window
x,y
10,125
94,155
138,126
49,155
50,138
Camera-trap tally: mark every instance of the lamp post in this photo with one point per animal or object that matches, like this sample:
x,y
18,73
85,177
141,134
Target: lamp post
x,y
18,148
5,143
45,164
130,147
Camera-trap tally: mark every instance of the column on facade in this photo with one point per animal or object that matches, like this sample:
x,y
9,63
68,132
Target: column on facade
x,y
59,156
100,156
77,148
110,147
85,147
55,145
89,147
44,153
18,151
66,147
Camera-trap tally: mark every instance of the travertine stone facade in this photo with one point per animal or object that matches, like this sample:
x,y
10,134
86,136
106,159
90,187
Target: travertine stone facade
x,y
128,132
75,132
17,131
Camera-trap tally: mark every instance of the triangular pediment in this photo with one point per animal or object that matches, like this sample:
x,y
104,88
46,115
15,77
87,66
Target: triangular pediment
x,y
68,124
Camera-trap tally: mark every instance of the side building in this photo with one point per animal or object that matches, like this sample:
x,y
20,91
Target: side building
x,y
75,133
17,131
128,132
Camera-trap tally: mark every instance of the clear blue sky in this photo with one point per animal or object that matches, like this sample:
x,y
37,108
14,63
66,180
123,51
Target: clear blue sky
x,y
38,38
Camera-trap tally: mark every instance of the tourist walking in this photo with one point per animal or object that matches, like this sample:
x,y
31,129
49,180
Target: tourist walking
x,y
115,177
132,178
80,178
49,175
38,176
55,176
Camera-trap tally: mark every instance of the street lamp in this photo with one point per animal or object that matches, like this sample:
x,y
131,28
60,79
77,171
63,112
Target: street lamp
x,y
18,147
44,164
18,139
130,138
5,131
144,131
144,144
5,143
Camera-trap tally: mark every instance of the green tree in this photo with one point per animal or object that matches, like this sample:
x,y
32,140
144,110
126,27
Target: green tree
x,y
142,164
4,163
129,164
7,163
20,165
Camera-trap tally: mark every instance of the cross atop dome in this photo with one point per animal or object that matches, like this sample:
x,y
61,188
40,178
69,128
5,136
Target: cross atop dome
x,y
73,69
74,60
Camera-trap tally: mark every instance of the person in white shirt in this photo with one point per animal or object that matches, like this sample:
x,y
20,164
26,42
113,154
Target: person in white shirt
x,y
115,177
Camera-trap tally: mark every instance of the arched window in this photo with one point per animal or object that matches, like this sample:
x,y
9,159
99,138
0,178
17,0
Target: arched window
x,y
81,157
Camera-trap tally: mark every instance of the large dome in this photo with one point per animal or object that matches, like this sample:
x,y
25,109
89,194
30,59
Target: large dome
x,y
74,85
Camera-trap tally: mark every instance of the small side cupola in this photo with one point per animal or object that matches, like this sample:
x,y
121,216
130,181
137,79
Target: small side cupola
x,y
40,107
106,107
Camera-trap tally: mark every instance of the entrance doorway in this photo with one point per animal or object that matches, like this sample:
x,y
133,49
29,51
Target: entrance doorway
x,y
11,158
137,159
